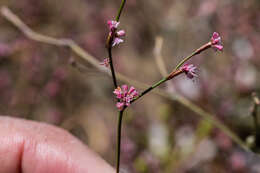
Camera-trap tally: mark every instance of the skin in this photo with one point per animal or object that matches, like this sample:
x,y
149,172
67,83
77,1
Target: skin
x,y
31,147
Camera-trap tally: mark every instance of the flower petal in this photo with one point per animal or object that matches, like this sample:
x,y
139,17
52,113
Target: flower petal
x,y
120,105
120,33
112,24
118,93
117,41
216,42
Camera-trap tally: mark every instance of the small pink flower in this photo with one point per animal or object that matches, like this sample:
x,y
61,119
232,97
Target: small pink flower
x,y
113,24
118,92
105,62
120,33
125,96
190,70
125,89
216,42
117,41
120,105
133,91
117,35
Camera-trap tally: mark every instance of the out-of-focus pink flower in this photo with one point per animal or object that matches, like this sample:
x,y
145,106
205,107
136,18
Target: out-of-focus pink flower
x,y
5,49
120,33
128,149
125,96
223,141
113,25
60,74
190,70
105,62
120,105
5,80
117,41
216,42
237,161
52,89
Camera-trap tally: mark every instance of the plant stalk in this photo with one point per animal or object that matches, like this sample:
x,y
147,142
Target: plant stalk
x,y
118,146
112,66
120,10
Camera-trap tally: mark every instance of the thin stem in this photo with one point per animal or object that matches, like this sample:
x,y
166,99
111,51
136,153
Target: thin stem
x,y
196,52
112,66
173,74
254,114
184,60
255,117
150,88
118,146
109,45
120,117
120,10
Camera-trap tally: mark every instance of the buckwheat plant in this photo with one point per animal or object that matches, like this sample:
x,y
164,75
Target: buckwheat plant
x,y
127,95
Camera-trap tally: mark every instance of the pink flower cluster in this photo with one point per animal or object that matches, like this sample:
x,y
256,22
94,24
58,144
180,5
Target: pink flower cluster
x,y
113,25
189,70
216,42
125,96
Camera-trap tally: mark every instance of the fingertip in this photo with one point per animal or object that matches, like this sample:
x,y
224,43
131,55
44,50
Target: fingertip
x,y
37,147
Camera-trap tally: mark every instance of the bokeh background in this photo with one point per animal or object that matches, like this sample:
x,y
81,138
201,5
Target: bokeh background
x,y
39,82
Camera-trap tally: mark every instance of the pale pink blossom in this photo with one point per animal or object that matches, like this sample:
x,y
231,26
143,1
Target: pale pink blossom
x,y
5,49
125,96
237,161
189,70
117,35
216,42
117,41
113,24
120,105
120,33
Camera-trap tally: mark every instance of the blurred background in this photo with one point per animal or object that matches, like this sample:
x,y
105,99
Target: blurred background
x,y
38,81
